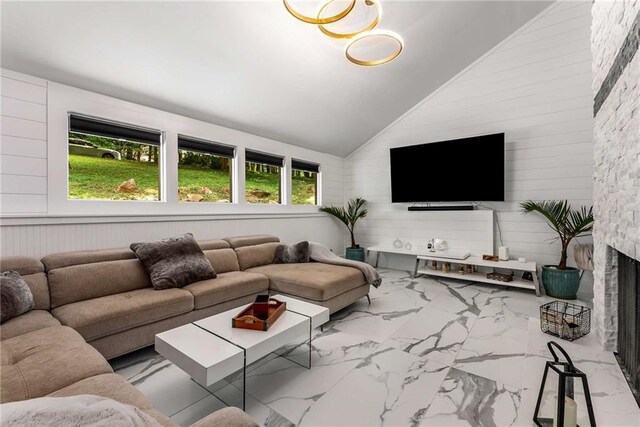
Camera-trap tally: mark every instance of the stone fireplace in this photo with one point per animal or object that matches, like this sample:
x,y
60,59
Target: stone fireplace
x,y
616,86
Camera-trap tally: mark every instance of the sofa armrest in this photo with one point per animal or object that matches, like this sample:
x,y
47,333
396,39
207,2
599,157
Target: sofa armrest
x,y
227,417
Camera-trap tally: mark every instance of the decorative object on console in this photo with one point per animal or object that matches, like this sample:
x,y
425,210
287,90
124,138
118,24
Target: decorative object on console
x,y
461,269
500,276
397,243
408,246
16,296
250,318
292,254
174,262
565,320
558,405
503,253
522,259
440,244
527,275
349,216
446,267
434,264
490,258
561,281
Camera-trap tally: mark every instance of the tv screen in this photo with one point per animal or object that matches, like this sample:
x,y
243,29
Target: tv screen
x,y
459,170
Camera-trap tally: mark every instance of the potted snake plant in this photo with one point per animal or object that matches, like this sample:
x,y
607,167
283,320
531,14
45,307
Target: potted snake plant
x,y
562,281
349,216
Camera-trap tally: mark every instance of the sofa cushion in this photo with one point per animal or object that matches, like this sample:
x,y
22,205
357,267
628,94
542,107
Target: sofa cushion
x,y
227,417
208,245
240,241
174,262
15,296
291,254
28,322
315,281
87,281
115,387
41,362
223,260
227,287
32,271
67,259
111,314
256,255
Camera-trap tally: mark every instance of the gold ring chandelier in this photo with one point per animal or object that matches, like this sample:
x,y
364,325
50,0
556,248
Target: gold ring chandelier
x,y
361,38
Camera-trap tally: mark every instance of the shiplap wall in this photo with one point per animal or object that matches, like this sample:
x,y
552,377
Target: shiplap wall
x,y
23,147
30,226
536,87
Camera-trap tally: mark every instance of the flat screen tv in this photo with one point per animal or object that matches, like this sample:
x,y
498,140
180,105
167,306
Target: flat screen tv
x,y
459,170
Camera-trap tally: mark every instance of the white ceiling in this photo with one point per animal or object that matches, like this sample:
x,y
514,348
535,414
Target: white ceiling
x,y
250,65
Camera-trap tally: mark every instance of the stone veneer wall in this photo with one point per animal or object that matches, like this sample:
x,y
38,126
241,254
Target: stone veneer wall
x,y
616,87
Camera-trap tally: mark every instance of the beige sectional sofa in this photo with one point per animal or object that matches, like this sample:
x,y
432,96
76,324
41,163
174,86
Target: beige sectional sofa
x,y
91,306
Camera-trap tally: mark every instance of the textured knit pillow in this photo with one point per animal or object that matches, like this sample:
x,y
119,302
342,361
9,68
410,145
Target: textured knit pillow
x,y
16,296
289,254
174,262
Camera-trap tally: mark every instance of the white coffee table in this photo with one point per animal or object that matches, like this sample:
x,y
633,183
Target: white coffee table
x,y
210,350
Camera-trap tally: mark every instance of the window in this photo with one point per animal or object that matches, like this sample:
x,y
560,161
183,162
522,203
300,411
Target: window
x,y
304,182
263,178
112,161
204,171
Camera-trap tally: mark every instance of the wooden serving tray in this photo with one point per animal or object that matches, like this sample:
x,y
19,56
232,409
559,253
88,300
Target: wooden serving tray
x,y
247,318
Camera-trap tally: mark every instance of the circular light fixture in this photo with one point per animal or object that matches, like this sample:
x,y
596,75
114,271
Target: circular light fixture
x,y
366,36
372,4
317,20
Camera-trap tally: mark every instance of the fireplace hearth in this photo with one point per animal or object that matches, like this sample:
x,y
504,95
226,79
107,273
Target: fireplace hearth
x,y
628,354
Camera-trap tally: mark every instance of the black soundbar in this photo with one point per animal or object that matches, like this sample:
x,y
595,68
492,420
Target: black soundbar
x,y
442,208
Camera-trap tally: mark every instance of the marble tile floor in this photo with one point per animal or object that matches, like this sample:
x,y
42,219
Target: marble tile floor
x,y
425,352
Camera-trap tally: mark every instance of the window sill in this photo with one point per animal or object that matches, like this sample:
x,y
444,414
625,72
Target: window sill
x,y
40,219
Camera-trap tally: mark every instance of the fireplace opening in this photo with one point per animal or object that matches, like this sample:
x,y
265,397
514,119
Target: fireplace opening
x,y
628,354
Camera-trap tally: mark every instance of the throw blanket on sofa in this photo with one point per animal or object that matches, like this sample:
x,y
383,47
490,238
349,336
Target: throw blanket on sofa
x,y
77,411
320,253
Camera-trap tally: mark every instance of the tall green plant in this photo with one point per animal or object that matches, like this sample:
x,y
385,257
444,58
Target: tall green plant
x,y
354,211
566,222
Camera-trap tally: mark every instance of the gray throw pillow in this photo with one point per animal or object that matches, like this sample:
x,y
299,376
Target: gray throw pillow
x,y
288,254
174,262
16,296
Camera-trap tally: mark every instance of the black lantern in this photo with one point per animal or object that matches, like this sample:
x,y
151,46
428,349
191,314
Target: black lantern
x,y
560,403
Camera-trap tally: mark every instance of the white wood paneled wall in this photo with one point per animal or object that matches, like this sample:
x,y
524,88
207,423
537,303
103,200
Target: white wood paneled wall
x,y
23,147
30,225
536,87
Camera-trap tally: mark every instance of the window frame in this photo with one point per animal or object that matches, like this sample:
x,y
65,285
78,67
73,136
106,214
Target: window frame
x,y
306,166
162,185
233,184
260,157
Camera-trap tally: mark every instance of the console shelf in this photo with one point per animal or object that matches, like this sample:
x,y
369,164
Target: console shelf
x,y
480,276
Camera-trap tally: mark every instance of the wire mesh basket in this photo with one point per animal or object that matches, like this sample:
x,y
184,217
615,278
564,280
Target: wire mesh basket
x,y
565,320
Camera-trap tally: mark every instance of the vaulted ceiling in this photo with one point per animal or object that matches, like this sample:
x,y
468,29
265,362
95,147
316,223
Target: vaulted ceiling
x,y
250,65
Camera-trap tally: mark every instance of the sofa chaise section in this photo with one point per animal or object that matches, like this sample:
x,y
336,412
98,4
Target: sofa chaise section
x,y
331,286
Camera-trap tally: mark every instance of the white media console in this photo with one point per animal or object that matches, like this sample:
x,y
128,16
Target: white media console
x,y
477,276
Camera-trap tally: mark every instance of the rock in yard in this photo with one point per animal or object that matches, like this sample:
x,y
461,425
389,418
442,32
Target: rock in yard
x,y
260,194
194,197
205,190
128,186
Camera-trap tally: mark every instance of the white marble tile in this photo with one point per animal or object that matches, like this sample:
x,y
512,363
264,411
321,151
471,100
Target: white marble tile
x,y
494,351
463,300
168,388
231,395
291,389
433,333
465,399
390,387
380,319
512,307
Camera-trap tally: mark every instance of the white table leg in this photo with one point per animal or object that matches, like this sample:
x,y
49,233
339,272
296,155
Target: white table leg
x,y
536,283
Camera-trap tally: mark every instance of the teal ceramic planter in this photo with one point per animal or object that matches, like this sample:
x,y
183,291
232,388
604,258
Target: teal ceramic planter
x,y
355,254
561,284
